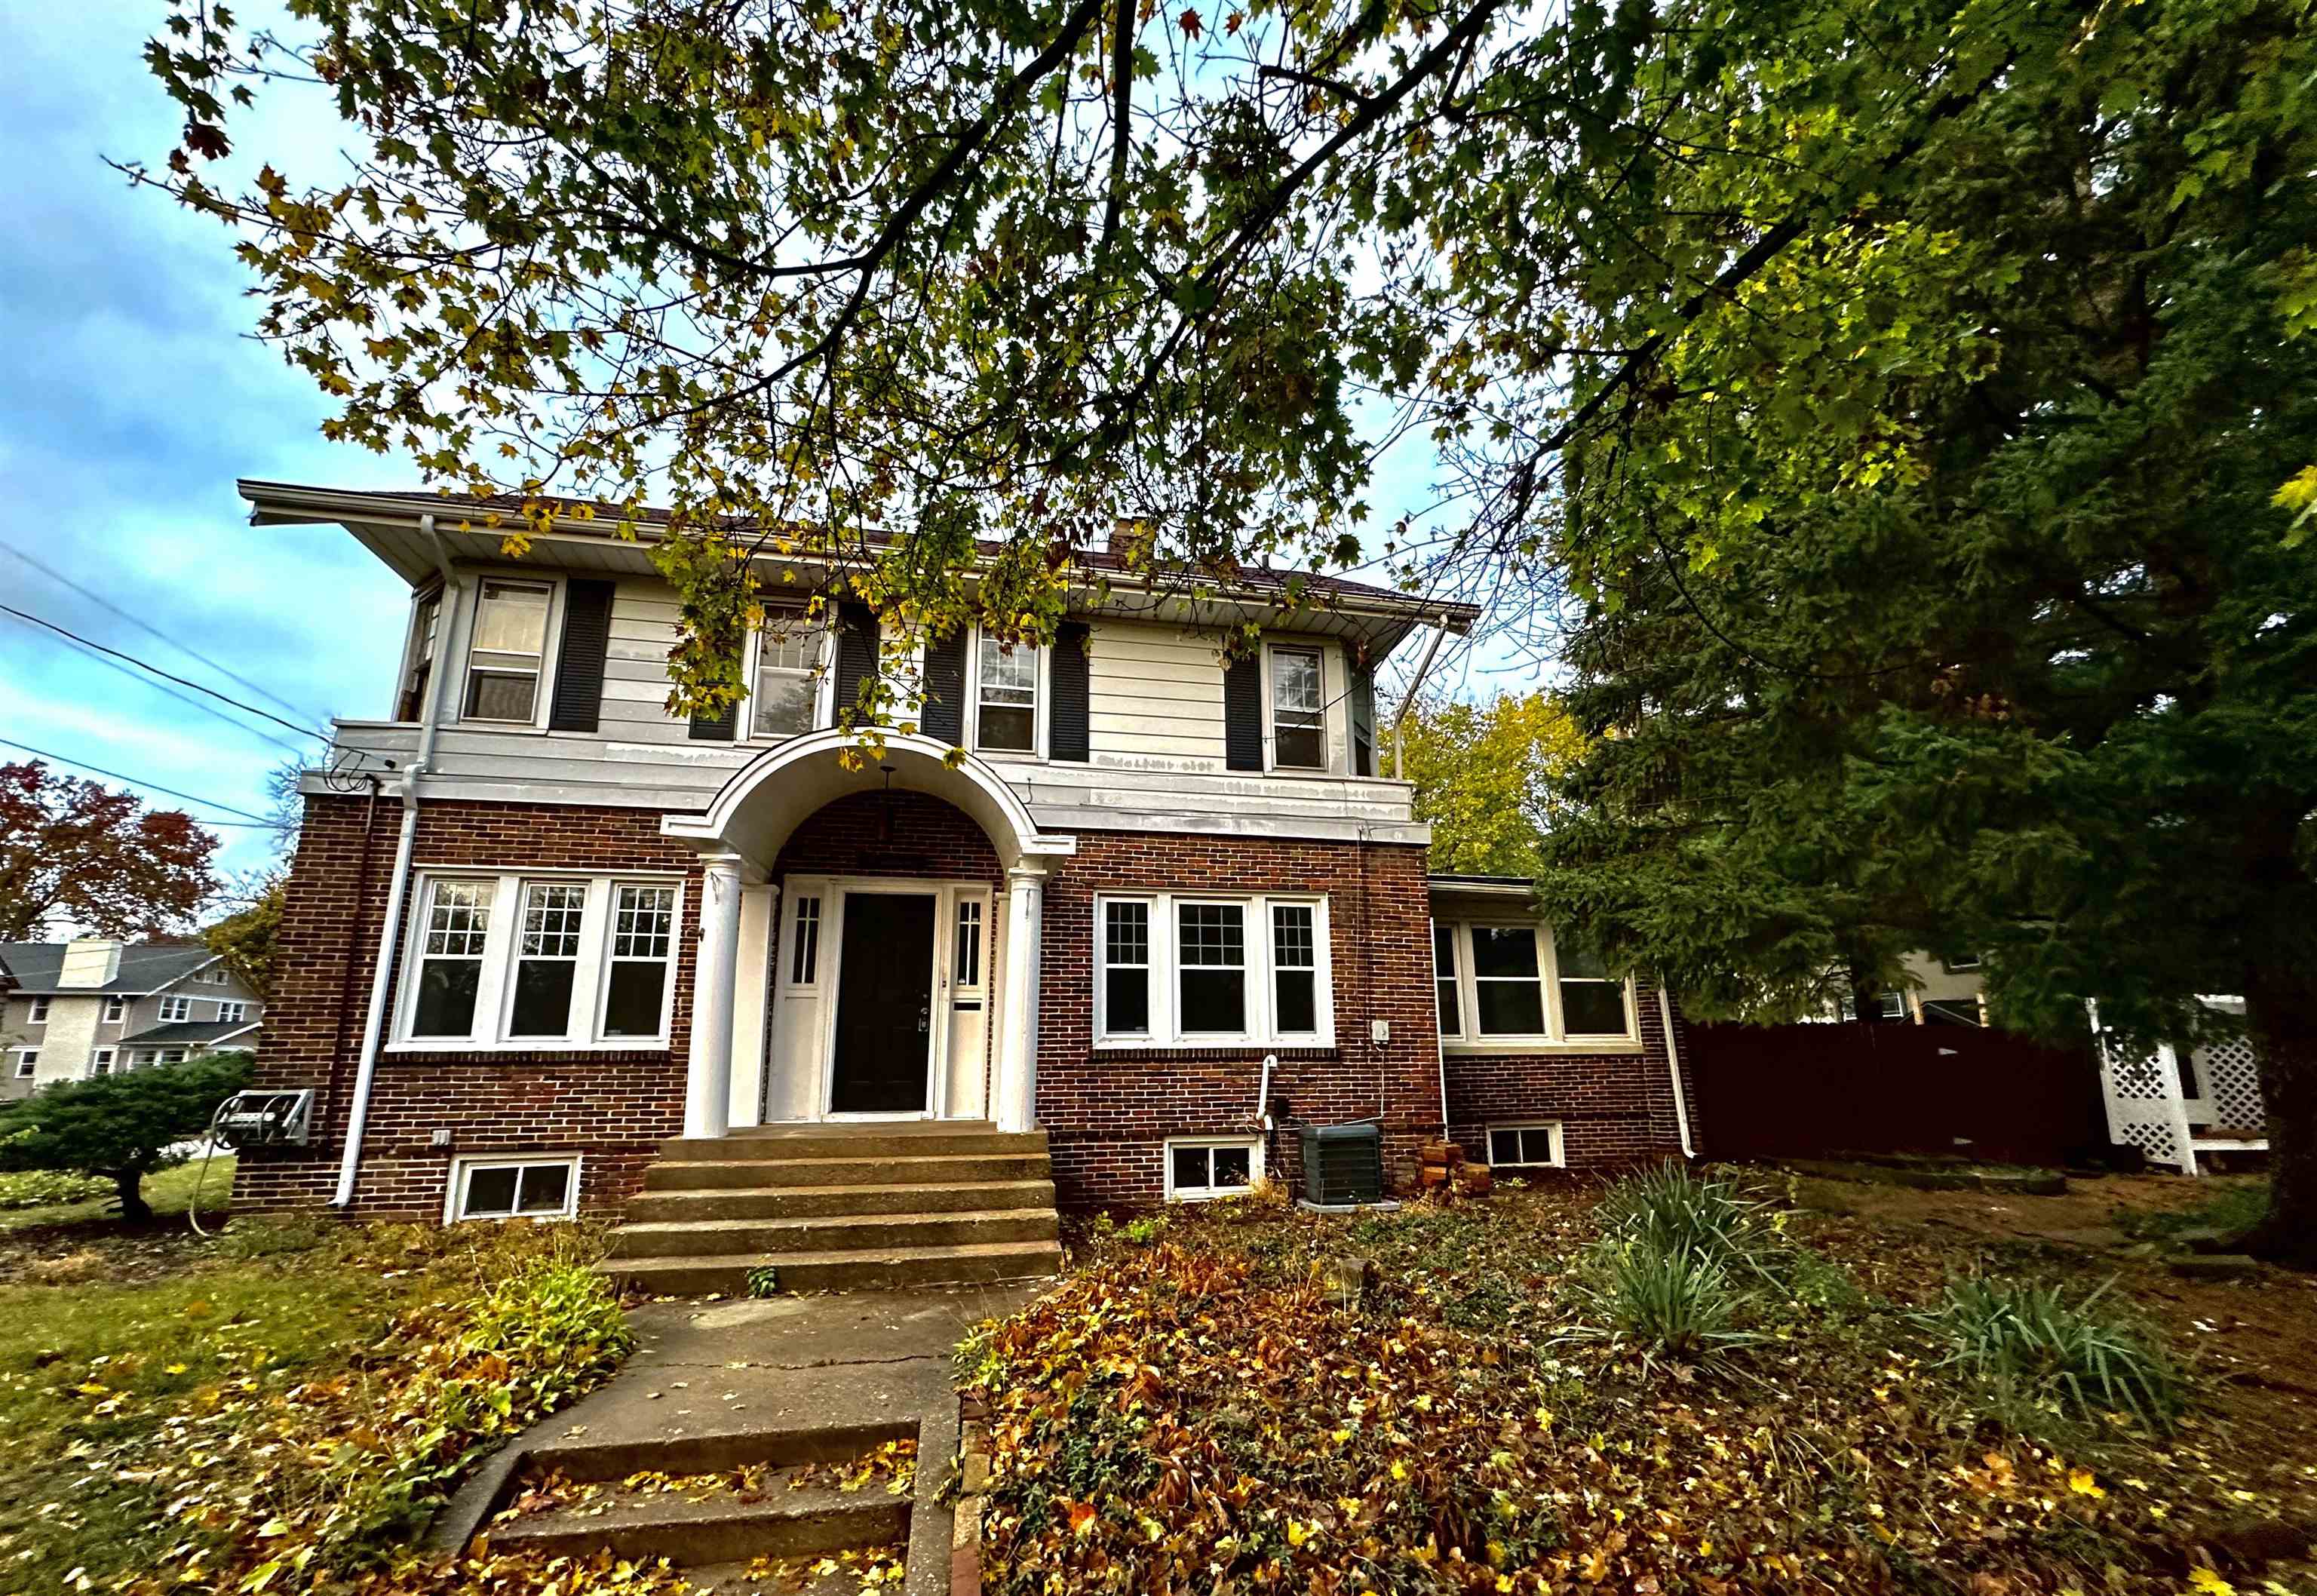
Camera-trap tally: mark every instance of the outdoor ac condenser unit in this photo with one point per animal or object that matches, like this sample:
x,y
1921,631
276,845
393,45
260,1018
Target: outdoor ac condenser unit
x,y
266,1119
1343,1163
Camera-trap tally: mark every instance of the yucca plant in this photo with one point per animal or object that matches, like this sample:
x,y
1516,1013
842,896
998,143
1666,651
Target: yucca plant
x,y
1672,1207
2086,1355
1673,1302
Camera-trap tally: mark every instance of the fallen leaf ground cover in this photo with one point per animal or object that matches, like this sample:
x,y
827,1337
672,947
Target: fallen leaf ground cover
x,y
1201,1409
283,1410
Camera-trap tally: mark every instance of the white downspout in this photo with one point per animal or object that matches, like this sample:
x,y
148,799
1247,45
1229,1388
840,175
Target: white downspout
x,y
399,883
1673,1066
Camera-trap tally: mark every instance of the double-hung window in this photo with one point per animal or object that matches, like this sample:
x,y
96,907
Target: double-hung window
x,y
1514,984
1006,696
1203,970
508,651
788,652
28,1062
39,1012
101,1061
232,1013
173,1009
418,669
1298,711
114,1008
553,961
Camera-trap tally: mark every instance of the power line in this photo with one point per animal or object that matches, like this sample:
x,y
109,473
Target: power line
x,y
189,701
253,820
157,670
140,621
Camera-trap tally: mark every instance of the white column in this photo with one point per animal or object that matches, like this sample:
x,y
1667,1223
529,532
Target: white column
x,y
1017,1108
708,1085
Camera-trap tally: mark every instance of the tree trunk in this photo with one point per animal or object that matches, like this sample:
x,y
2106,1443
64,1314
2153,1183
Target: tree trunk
x,y
2281,1013
130,1184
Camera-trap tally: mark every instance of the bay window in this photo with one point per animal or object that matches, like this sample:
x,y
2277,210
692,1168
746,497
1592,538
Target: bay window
x,y
1509,984
575,962
1202,971
507,652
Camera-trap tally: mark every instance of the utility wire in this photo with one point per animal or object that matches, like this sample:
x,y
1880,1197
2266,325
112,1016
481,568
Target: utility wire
x,y
140,621
292,748
157,670
252,819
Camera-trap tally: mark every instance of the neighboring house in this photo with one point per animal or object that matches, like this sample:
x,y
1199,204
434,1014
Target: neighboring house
x,y
95,1004
1937,993
537,926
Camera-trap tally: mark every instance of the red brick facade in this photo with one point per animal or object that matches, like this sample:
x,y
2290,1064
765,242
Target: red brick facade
x,y
1613,1109
1107,1113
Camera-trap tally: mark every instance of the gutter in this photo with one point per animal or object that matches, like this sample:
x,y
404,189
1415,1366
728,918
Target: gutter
x,y
389,929
1673,1067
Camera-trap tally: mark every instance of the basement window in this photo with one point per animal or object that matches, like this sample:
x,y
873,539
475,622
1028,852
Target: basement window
x,y
1200,1172
1525,1147
513,1188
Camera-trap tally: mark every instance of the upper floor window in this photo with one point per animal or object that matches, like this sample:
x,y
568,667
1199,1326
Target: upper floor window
x,y
114,1007
1298,711
28,1062
232,1013
40,1014
1183,970
214,976
173,1009
1515,983
507,653
581,963
790,649
418,668
1006,696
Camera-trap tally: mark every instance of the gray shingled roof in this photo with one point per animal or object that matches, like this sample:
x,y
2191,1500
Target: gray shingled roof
x,y
145,967
190,1032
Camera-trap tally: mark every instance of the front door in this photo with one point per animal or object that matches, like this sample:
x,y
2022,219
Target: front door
x,y
884,1005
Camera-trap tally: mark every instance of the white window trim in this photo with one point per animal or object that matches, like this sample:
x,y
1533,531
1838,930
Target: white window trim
x,y
549,650
107,1056
1560,1160
28,1063
1165,970
116,1010
824,686
1040,698
414,638
240,1011
495,988
38,1014
1208,1194
464,1168
1330,708
182,1007
1554,1038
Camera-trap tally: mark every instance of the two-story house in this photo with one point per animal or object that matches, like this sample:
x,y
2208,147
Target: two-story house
x,y
1107,919
95,1004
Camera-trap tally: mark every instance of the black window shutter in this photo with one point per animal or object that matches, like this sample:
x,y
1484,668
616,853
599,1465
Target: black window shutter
x,y
1065,719
579,659
1362,718
721,727
1243,714
944,714
856,657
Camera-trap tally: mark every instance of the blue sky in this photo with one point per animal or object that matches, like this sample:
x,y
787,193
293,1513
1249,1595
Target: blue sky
x,y
130,400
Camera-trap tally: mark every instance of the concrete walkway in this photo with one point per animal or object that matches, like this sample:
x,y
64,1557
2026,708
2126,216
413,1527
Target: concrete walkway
x,y
714,1384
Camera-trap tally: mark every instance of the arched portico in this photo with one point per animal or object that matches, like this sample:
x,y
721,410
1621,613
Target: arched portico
x,y
740,834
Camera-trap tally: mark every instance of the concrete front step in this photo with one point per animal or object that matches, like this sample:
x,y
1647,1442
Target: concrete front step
x,y
811,1202
726,1274
784,1524
697,1174
782,1145
852,1233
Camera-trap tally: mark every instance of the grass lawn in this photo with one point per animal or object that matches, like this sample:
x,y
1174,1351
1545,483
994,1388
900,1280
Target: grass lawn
x,y
1540,1394
171,1193
278,1409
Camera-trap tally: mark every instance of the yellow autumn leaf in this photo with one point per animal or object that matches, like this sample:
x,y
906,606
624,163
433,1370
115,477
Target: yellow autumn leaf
x,y
2207,1582
2081,1482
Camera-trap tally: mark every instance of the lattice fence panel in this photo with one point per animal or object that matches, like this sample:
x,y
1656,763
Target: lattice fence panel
x,y
2143,1106
2230,1071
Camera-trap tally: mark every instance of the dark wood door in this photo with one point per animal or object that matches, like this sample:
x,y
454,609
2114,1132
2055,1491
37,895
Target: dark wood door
x,y
884,1004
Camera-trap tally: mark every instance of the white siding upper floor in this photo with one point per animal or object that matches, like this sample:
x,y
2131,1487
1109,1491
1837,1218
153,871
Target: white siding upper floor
x,y
1157,735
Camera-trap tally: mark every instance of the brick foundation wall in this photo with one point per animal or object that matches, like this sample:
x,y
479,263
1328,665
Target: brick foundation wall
x,y
613,1107
1615,1108
1108,1115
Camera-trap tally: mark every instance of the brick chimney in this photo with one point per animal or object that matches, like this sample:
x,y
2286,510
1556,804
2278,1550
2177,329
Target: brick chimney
x,y
89,962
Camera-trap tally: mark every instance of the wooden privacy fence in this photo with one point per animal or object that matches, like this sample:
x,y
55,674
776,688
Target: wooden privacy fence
x,y
1820,1090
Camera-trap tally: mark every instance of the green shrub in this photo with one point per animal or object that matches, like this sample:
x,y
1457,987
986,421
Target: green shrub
x,y
50,1189
1672,1302
2085,1356
1672,1206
